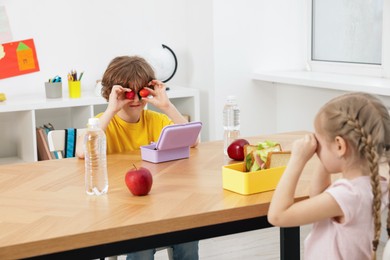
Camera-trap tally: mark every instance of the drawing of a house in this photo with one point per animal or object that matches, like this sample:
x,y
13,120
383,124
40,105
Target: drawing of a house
x,y
25,57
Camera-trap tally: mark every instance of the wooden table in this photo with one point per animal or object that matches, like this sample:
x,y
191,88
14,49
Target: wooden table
x,y
45,211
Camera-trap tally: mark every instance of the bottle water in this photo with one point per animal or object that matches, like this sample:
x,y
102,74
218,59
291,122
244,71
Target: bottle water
x,y
96,180
231,122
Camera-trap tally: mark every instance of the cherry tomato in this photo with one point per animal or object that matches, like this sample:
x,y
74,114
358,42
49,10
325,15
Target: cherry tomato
x,y
144,92
130,95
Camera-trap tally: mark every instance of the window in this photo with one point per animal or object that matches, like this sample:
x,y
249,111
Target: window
x,y
349,36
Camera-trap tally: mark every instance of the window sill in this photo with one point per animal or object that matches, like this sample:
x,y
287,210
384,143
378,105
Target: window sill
x,y
374,85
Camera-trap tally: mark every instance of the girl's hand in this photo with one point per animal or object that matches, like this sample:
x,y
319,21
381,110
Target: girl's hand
x,y
160,98
303,149
117,98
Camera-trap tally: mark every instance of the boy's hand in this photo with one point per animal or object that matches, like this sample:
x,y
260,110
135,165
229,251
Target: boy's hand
x,y
117,98
160,98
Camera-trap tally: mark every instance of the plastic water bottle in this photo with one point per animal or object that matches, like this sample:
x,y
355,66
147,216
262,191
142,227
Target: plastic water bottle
x,y
96,180
231,122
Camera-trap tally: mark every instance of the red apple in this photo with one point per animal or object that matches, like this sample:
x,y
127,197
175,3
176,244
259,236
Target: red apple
x,y
236,149
130,95
139,181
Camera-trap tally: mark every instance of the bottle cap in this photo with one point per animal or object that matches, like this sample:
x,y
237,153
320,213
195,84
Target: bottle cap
x,y
93,121
231,99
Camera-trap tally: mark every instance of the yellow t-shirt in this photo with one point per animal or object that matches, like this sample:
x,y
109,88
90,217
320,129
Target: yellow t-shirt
x,y
123,136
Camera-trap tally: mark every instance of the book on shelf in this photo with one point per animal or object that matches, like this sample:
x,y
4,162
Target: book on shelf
x,y
42,145
56,154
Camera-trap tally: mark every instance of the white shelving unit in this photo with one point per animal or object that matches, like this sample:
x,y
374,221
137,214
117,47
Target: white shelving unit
x,y
20,116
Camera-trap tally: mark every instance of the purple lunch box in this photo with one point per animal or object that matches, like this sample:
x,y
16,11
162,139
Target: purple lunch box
x,y
174,143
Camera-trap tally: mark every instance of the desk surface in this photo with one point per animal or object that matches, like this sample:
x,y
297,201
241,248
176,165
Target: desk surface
x,y
44,207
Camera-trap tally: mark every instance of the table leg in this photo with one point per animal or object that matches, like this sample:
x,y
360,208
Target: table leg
x,y
290,243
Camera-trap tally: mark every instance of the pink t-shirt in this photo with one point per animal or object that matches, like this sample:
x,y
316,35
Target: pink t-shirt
x,y
351,239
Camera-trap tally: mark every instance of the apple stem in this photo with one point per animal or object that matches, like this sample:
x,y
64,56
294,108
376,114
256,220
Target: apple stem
x,y
135,166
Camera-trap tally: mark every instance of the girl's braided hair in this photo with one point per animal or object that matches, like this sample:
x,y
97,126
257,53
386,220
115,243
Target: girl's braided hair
x,y
364,122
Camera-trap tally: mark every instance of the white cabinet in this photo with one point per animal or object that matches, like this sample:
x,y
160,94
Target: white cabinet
x,y
20,116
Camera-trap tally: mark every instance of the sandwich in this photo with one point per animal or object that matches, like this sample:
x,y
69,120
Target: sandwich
x,y
265,155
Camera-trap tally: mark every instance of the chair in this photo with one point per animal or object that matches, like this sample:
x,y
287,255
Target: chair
x,y
57,143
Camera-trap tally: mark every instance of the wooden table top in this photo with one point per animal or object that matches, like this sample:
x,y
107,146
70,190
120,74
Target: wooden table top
x,y
44,207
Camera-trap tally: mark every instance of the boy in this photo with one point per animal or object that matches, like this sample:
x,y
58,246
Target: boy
x,y
128,125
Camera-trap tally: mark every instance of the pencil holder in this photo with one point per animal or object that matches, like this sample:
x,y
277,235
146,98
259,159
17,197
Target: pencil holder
x,y
74,89
53,89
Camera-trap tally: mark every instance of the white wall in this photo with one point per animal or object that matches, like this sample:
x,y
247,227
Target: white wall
x,y
250,35
219,44
201,59
86,35
298,105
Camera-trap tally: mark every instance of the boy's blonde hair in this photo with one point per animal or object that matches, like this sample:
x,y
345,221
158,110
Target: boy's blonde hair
x,y
128,71
364,122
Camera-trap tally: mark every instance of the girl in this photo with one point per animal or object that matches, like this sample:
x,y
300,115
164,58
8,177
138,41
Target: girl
x,y
352,137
